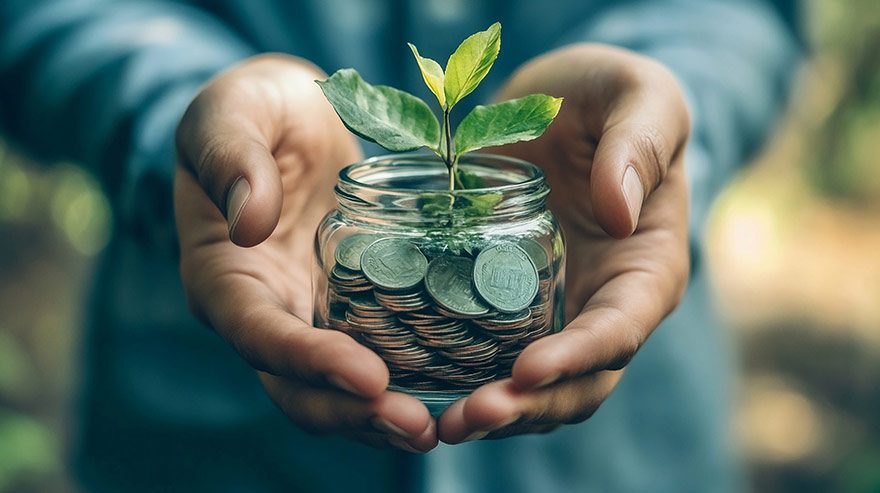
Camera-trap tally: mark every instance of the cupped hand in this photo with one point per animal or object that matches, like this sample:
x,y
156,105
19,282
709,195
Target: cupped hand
x,y
613,159
259,149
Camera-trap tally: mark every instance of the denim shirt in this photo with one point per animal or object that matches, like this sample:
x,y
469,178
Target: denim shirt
x,y
166,406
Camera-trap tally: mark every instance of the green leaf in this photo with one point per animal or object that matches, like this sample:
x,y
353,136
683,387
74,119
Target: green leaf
x,y
505,123
470,63
481,204
432,73
468,205
436,204
470,180
394,119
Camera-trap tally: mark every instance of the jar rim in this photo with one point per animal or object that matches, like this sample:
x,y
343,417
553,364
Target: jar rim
x,y
533,175
370,190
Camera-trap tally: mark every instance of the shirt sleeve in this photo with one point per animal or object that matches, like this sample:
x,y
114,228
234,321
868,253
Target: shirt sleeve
x,y
735,60
103,83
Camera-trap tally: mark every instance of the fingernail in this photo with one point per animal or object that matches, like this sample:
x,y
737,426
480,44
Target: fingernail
x,y
401,444
342,384
238,196
507,422
547,381
475,436
497,426
633,192
382,424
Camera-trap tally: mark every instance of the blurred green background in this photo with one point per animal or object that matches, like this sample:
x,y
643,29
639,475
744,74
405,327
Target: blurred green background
x,y
792,247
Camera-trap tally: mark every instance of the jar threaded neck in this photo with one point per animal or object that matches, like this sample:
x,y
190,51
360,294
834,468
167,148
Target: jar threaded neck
x,y
411,188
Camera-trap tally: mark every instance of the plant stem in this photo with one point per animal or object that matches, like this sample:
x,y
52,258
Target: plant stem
x,y
451,180
458,181
450,158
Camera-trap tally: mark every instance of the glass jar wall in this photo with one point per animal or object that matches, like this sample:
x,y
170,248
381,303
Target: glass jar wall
x,y
447,288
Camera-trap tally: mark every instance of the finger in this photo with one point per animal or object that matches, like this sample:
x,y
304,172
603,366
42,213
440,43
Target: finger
x,y
424,443
232,159
642,137
607,333
245,311
390,415
421,444
502,409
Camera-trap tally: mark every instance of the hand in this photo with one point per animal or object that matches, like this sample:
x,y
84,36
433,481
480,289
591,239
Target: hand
x,y
613,159
259,151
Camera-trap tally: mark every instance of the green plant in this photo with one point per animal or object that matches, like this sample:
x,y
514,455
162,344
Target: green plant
x,y
399,121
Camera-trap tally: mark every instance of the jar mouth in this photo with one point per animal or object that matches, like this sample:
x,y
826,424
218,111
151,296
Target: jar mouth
x,y
376,172
396,187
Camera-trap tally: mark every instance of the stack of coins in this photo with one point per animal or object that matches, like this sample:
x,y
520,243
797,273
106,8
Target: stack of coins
x,y
445,323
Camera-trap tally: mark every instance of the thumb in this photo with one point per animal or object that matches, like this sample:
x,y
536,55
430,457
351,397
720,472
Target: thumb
x,y
236,168
636,149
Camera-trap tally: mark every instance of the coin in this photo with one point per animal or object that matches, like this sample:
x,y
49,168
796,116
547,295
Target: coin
x,y
506,320
390,338
505,277
403,302
344,274
407,356
349,250
344,281
430,321
348,289
449,281
368,324
443,337
336,319
417,317
366,306
393,264
535,252
334,298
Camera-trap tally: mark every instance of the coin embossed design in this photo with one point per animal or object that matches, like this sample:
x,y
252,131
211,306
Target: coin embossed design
x,y
393,264
449,281
506,277
348,252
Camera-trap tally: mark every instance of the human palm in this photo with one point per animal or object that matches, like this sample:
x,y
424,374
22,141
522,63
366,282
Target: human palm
x,y
627,255
262,145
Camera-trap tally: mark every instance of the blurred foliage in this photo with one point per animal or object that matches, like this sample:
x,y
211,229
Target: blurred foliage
x,y
795,240
53,220
846,36
78,208
28,451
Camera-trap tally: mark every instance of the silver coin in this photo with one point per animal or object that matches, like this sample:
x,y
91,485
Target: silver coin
x,y
506,277
506,319
393,264
449,281
349,250
342,274
536,252
367,306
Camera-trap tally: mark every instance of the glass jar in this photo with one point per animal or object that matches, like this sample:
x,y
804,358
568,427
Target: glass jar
x,y
447,288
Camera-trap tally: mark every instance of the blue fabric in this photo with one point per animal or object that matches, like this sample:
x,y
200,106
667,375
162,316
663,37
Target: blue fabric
x,y
168,407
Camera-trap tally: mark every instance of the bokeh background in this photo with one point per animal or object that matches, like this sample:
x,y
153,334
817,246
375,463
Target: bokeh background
x,y
793,248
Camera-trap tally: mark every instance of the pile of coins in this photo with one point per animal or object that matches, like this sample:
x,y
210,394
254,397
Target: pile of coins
x,y
444,323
